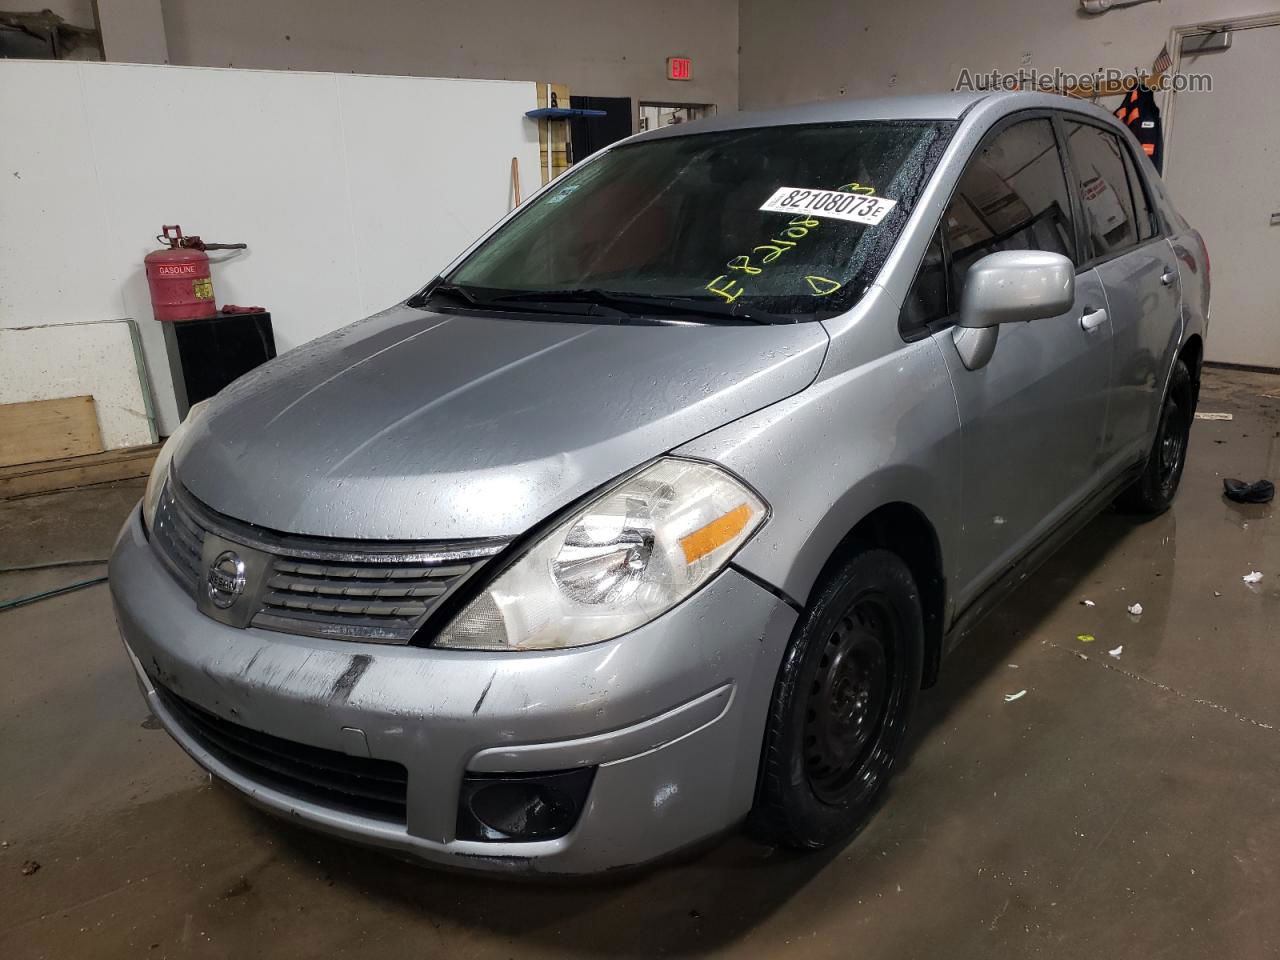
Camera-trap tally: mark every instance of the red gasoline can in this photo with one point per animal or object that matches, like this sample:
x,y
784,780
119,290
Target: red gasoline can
x,y
178,276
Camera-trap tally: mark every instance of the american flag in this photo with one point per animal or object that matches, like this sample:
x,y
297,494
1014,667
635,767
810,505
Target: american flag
x,y
1163,62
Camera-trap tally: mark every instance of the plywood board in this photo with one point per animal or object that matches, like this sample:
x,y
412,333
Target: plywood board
x,y
73,359
48,429
36,478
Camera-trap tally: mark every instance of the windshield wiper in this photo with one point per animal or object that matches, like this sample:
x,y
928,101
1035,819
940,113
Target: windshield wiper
x,y
681,306
619,304
515,303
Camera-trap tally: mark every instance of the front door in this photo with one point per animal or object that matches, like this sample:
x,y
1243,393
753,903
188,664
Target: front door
x,y
1032,418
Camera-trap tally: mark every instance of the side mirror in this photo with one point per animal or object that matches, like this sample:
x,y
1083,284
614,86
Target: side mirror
x,y
1012,286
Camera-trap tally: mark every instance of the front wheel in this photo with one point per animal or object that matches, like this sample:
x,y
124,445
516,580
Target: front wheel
x,y
840,705
1154,490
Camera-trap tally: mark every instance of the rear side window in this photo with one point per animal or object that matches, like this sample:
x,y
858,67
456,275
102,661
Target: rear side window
x,y
1012,196
1104,189
1142,209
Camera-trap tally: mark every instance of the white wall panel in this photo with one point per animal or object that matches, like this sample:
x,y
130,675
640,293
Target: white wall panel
x,y
351,191
53,268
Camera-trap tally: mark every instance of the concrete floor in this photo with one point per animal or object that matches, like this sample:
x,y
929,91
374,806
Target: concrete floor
x,y
1123,807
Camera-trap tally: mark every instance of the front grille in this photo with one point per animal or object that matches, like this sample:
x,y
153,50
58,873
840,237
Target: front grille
x,y
358,590
369,600
374,788
179,538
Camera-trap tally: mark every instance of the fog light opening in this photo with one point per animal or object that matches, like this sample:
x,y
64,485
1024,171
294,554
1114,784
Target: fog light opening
x,y
522,807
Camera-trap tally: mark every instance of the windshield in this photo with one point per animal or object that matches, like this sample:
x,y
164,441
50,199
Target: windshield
x,y
786,223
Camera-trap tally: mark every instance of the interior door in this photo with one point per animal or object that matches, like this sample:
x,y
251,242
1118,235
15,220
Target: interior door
x,y
1220,169
1032,418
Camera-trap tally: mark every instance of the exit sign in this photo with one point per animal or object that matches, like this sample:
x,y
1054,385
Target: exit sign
x,y
679,68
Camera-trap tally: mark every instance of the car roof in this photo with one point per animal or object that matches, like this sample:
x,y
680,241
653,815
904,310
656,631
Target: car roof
x,y
931,106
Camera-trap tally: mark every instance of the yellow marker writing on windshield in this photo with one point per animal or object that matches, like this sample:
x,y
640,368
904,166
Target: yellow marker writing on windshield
x,y
776,249
797,228
726,290
821,286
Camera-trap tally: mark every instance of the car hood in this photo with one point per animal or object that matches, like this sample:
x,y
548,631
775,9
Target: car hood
x,y
413,425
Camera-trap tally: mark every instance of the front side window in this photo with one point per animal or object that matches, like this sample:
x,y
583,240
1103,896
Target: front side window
x,y
1012,196
926,301
1104,188
679,221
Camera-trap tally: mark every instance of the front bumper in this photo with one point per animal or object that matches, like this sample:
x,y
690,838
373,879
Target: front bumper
x,y
672,715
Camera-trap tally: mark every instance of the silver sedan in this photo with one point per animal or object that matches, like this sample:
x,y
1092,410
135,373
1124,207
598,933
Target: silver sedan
x,y
650,516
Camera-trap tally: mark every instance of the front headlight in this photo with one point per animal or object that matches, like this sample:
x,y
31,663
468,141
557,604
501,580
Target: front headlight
x,y
635,552
160,469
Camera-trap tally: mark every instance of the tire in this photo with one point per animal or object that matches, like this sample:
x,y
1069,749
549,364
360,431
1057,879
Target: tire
x,y
841,705
1154,490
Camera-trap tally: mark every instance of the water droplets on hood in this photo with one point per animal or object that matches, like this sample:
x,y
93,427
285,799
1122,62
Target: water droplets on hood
x,y
417,426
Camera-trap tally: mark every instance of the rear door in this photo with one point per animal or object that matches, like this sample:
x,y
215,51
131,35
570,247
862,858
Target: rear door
x,y
1128,248
1032,418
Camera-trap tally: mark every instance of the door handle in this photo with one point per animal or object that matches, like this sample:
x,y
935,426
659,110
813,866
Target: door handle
x,y
1168,277
1092,319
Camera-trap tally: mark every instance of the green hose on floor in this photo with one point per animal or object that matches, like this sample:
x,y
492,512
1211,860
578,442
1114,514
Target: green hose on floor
x,y
37,597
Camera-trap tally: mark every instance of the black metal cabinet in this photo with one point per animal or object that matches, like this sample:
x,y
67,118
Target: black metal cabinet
x,y
206,355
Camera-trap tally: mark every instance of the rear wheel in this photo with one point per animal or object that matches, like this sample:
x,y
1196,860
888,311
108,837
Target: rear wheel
x,y
841,704
1154,490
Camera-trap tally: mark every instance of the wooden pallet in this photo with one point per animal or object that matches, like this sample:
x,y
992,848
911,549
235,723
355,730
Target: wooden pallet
x,y
29,479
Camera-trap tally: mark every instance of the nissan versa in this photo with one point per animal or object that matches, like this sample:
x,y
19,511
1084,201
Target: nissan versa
x,y
650,515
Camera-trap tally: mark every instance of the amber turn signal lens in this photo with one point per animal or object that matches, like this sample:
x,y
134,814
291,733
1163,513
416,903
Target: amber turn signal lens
x,y
719,531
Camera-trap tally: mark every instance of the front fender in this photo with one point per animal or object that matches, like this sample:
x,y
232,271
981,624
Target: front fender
x,y
882,432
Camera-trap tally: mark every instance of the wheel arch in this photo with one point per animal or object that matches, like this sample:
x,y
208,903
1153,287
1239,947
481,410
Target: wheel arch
x,y
904,529
1192,354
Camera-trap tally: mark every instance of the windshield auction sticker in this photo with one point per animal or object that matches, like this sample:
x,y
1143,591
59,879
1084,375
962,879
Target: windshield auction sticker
x,y
854,207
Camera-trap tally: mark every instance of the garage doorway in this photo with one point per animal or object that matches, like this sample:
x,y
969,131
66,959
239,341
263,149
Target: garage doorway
x,y
655,115
589,134
1221,163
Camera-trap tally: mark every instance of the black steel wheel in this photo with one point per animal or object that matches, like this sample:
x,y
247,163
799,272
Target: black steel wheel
x,y
841,704
1171,452
1154,490
848,696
